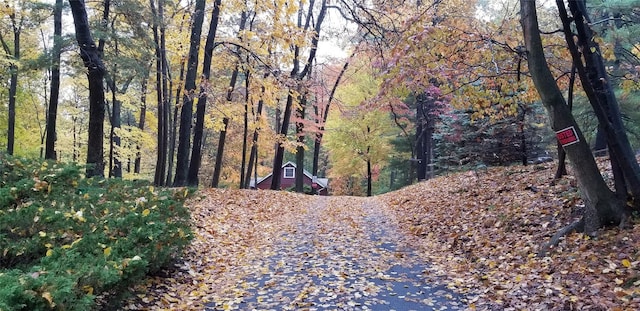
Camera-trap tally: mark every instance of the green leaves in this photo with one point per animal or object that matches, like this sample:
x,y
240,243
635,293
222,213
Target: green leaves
x,y
66,238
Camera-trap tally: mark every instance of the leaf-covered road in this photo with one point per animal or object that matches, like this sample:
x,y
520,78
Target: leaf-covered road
x,y
280,251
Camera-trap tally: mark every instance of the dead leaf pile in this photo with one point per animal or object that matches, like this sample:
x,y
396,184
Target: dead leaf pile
x,y
483,229
480,231
232,228
264,250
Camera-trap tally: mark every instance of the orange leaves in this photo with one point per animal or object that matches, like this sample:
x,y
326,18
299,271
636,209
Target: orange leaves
x,y
483,230
231,228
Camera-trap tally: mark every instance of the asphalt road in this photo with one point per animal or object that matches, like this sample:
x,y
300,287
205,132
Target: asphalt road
x,y
342,254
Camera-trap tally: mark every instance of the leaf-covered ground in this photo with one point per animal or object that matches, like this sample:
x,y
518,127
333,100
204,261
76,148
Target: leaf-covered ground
x,y
463,241
484,228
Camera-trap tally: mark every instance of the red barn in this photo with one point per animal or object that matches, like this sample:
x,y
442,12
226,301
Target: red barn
x,y
288,180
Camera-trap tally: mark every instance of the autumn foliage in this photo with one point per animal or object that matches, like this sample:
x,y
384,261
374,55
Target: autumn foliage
x,y
484,229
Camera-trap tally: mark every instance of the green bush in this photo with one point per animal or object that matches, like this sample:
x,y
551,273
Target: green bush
x,y
65,239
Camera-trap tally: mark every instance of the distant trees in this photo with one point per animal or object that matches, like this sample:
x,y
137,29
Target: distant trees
x,y
440,91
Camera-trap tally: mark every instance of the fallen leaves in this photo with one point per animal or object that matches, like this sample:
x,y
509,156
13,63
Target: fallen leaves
x,y
479,231
483,230
232,228
269,250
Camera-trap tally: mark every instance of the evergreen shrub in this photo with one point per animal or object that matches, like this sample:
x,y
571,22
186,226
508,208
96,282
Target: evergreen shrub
x,y
64,239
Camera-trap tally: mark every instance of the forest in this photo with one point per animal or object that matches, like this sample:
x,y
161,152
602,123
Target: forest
x,y
113,112
374,96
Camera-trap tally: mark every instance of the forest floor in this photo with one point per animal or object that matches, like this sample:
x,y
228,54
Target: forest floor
x,y
466,241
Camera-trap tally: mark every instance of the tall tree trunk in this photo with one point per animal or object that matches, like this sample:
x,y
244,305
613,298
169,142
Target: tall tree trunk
x,y
52,113
522,116
115,165
217,170
186,113
95,75
369,177
595,81
198,130
421,121
143,118
253,155
601,206
245,132
174,131
16,26
276,174
562,156
299,176
158,19
166,95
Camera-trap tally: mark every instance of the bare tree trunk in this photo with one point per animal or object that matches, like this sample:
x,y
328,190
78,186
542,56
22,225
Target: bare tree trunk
x,y
217,170
300,112
95,75
562,156
198,130
186,114
52,113
253,155
143,117
601,206
161,157
245,132
595,81
174,127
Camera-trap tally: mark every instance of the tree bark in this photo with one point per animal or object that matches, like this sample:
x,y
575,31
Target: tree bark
x,y
217,170
115,165
601,206
52,113
562,156
16,27
186,113
300,113
253,155
95,75
198,130
597,87
245,132
174,127
141,122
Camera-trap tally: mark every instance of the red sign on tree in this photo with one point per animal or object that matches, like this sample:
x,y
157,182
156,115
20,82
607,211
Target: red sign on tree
x,y
567,136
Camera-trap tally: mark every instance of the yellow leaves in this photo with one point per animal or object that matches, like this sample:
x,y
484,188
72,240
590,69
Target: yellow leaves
x,y
88,289
146,212
626,263
49,299
40,185
107,251
49,252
